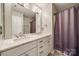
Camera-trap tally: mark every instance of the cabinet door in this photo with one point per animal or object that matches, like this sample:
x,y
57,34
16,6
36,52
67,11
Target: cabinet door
x,y
47,47
20,49
32,52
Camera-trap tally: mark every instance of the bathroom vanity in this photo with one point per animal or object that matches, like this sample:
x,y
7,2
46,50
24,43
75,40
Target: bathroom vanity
x,y
24,31
31,46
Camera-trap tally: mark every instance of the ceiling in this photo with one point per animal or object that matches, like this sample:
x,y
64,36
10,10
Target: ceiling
x,y
62,6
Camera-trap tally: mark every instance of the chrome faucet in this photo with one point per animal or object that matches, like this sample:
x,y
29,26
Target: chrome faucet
x,y
20,35
16,35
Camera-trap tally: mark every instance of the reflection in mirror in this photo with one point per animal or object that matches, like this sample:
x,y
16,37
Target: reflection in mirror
x,y
21,23
17,22
29,25
38,12
21,19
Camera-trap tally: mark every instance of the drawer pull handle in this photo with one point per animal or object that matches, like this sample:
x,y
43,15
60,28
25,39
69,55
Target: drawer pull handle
x,y
41,46
41,52
41,41
48,41
26,55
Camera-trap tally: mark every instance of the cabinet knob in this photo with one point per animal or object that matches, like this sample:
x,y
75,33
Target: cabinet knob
x,y
26,55
41,41
41,46
48,41
41,52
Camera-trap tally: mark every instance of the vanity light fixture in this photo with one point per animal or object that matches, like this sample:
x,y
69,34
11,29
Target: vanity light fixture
x,y
36,9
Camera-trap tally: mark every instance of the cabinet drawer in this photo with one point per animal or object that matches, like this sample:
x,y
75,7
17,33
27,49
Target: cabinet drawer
x,y
44,49
19,50
42,53
33,52
40,45
42,40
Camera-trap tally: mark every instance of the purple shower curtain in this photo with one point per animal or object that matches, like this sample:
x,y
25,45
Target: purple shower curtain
x,y
76,8
65,31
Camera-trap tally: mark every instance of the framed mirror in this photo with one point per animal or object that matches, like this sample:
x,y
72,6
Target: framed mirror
x,y
21,19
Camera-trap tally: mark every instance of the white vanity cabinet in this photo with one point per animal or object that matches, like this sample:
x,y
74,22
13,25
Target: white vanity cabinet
x,y
32,52
44,46
38,47
20,50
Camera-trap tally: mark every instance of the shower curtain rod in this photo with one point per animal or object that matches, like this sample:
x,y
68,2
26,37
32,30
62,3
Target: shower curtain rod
x,y
65,9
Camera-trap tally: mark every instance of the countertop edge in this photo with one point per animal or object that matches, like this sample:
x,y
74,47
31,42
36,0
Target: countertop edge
x,y
6,49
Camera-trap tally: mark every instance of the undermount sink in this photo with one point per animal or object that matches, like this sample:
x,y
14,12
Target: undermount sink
x,y
11,41
19,39
31,35
15,40
8,41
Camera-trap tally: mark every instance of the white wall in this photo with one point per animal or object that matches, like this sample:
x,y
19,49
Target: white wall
x,y
38,24
47,19
8,21
46,16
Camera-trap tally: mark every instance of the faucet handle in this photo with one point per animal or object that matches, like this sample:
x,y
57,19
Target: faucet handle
x,y
20,34
16,35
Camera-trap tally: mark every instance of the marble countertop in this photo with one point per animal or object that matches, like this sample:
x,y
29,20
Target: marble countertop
x,y
11,43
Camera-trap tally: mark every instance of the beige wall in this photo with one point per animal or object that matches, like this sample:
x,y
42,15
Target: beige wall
x,y
0,20
8,21
47,19
46,16
63,6
0,15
